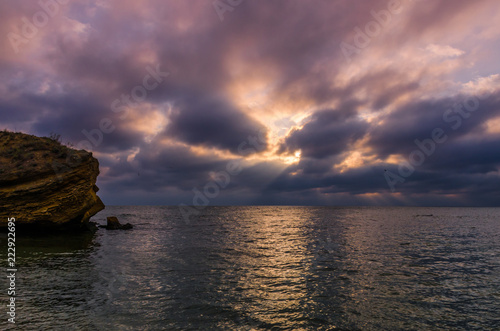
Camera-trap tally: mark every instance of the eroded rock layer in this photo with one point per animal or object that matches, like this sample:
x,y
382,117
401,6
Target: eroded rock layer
x,y
45,185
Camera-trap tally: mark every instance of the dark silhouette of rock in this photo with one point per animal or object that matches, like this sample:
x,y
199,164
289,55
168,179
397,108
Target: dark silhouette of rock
x,y
45,185
114,224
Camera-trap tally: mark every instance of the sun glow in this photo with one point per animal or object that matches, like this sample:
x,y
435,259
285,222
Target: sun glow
x,y
292,159
150,125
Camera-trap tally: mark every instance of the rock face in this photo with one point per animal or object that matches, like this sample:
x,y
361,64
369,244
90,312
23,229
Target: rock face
x,y
45,185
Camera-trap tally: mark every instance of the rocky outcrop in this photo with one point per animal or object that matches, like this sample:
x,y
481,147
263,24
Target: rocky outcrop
x,y
114,224
46,185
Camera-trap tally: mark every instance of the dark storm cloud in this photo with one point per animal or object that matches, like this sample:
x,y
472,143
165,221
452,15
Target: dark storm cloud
x,y
480,156
210,122
12,112
328,133
417,120
75,117
157,167
356,181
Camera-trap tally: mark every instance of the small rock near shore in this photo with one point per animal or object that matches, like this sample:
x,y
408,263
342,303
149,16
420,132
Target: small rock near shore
x,y
114,224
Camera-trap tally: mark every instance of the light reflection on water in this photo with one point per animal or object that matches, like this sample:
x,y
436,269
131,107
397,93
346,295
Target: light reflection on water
x,y
252,268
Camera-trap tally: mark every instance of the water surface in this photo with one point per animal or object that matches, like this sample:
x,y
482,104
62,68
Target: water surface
x,y
260,268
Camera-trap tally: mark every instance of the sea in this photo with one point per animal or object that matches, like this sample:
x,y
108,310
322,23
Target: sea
x,y
264,268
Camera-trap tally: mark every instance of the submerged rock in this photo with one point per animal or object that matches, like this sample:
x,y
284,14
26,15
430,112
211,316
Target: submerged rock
x,y
45,185
114,224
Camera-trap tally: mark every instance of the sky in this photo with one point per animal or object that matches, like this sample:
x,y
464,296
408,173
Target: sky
x,y
240,102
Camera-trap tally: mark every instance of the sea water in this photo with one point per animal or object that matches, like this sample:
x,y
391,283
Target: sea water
x,y
262,268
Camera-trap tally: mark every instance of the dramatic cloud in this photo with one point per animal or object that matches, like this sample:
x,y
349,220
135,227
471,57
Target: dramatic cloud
x,y
286,102
211,123
328,133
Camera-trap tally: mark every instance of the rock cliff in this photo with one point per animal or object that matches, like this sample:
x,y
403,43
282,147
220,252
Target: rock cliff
x,y
45,185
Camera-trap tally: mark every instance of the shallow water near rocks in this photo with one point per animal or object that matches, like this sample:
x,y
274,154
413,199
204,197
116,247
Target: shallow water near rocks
x,y
258,268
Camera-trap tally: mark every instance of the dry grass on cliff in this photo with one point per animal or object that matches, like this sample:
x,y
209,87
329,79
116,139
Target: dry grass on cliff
x,y
26,156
